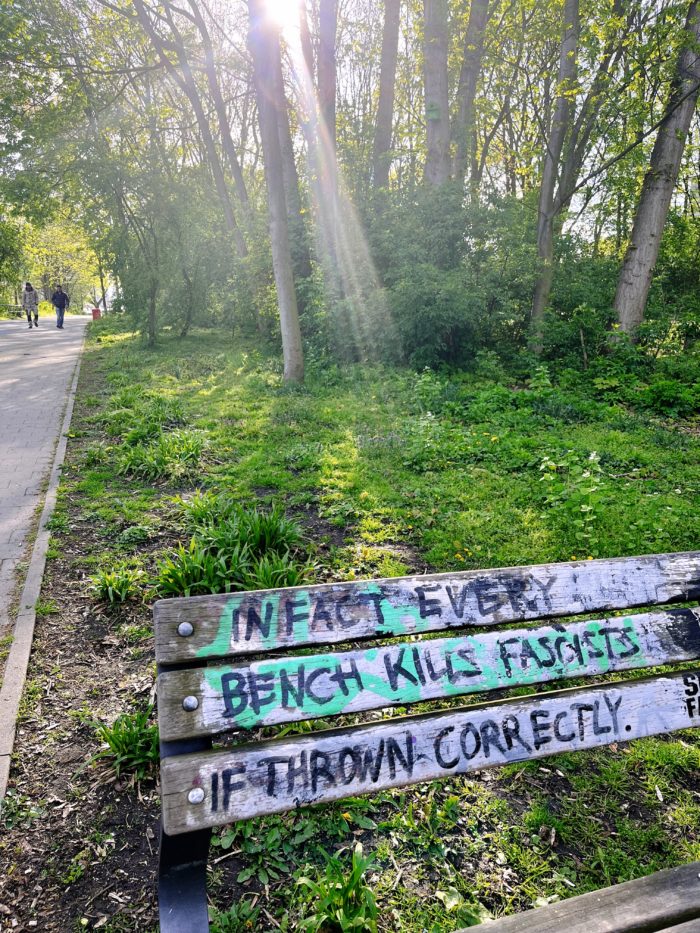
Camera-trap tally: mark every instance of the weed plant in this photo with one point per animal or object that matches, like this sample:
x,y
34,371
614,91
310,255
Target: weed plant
x,y
173,456
131,743
117,584
340,900
232,548
243,917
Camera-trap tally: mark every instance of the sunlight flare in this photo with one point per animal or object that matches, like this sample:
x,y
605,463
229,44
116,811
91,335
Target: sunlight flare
x,y
285,13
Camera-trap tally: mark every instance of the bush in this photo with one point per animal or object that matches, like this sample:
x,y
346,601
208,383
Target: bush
x,y
671,398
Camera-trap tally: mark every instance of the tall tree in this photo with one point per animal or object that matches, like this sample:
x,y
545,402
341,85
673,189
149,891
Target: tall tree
x,y
381,156
327,69
660,181
437,108
561,123
464,124
264,43
185,80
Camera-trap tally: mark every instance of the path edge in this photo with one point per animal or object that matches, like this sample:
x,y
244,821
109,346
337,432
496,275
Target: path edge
x,y
17,662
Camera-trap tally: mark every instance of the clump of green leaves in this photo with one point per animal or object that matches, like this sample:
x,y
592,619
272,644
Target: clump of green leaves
x,y
341,900
117,584
264,845
241,917
133,536
131,742
275,570
231,549
173,456
574,490
196,570
96,454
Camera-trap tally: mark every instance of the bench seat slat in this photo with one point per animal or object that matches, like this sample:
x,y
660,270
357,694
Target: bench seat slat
x,y
214,788
266,620
291,689
667,900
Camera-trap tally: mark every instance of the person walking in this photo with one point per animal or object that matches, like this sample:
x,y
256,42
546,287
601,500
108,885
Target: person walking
x,y
60,301
30,304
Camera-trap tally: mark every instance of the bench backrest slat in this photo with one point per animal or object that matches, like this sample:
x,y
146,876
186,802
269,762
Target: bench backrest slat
x,y
205,627
267,777
289,689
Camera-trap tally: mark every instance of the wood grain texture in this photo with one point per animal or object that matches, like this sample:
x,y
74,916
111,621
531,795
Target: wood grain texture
x,y
291,689
282,774
253,622
667,899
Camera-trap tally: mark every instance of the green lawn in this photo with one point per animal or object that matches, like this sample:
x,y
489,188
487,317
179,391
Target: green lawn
x,y
390,472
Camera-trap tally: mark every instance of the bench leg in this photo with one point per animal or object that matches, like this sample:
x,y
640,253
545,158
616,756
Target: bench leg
x,y
182,882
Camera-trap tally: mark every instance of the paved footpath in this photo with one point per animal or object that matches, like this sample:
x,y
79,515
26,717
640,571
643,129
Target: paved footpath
x,y
36,370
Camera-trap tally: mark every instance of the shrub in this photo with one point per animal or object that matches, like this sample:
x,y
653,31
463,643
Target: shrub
x,y
668,397
131,742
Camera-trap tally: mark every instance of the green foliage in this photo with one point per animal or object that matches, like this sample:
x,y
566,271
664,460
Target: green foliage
x,y
173,456
131,743
196,570
668,397
232,548
574,491
117,584
243,916
132,537
341,900
273,570
11,254
18,810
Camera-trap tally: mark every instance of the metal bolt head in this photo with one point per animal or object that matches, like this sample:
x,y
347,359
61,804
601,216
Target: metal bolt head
x,y
190,704
185,629
196,795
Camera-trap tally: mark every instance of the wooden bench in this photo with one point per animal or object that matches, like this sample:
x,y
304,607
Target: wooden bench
x,y
210,682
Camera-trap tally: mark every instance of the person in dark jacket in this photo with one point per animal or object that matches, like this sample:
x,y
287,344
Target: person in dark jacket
x,y
30,303
60,301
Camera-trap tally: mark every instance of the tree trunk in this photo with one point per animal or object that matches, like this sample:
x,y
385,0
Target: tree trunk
x,y
264,47
464,127
327,79
437,113
561,122
152,294
659,182
100,271
381,158
298,238
220,106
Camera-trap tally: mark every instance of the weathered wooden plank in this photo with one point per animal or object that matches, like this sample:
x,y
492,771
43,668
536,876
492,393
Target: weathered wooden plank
x,y
667,899
205,700
269,777
246,623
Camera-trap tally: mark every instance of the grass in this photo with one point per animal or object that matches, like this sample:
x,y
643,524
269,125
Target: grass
x,y
200,465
